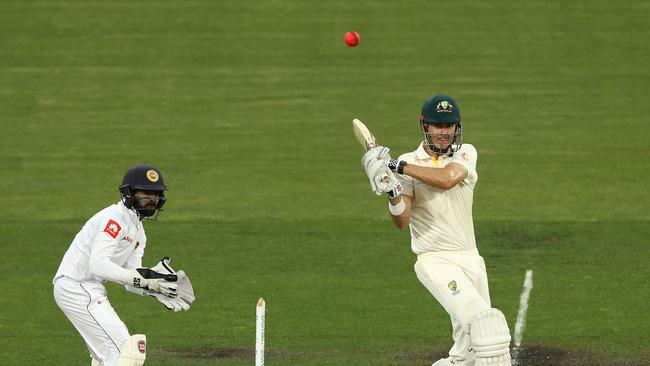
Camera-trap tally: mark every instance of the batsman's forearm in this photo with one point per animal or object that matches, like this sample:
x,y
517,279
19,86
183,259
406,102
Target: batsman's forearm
x,y
395,201
402,220
435,177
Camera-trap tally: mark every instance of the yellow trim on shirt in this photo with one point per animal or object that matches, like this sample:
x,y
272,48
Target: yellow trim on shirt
x,y
435,161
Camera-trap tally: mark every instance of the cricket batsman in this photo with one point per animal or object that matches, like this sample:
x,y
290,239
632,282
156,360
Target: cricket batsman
x,y
110,247
431,190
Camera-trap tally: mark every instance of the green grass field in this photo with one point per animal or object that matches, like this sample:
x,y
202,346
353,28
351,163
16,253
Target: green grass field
x,y
246,107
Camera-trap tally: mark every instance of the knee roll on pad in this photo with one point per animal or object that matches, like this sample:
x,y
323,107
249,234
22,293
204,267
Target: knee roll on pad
x,y
134,351
490,338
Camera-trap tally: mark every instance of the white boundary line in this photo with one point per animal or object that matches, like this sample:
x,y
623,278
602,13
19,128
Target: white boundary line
x,y
521,315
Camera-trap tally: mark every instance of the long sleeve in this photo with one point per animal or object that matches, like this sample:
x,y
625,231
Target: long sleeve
x,y
103,248
134,262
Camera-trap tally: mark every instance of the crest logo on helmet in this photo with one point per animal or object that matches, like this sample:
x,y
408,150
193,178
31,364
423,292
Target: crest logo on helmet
x,y
444,106
152,175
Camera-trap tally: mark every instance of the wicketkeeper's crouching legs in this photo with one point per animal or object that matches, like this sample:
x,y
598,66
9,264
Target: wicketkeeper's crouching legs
x,y
88,309
86,306
134,352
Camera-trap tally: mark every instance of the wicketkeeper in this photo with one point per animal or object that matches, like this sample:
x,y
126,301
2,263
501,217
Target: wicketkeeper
x,y
431,191
110,247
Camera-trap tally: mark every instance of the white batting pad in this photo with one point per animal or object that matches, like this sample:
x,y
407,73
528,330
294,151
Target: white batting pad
x,y
490,338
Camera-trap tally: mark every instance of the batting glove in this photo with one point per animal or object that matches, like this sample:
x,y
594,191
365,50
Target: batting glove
x,y
396,166
395,191
379,153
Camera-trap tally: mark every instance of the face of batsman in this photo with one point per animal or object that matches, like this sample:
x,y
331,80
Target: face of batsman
x,y
440,123
441,136
143,190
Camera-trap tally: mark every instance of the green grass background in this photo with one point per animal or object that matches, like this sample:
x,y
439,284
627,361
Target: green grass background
x,y
246,107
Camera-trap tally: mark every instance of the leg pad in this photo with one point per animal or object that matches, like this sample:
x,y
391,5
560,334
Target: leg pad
x,y
490,338
134,351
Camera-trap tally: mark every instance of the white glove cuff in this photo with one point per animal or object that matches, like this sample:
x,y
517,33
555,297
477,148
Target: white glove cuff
x,y
397,209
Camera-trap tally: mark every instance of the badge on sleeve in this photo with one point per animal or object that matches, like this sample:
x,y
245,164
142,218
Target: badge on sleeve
x,y
112,228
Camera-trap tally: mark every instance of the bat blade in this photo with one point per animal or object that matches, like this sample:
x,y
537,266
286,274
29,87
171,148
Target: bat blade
x,y
366,139
363,135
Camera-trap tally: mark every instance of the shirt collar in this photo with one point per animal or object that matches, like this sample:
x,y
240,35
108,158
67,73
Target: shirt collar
x,y
132,214
421,154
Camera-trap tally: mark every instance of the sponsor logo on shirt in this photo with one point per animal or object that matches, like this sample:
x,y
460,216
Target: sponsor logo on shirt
x,y
112,228
128,239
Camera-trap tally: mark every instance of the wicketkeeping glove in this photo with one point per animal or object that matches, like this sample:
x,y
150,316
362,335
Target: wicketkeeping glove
x,y
149,279
184,290
175,304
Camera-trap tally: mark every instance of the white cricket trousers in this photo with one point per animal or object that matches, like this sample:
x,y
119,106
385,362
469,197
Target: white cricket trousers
x,y
458,280
88,309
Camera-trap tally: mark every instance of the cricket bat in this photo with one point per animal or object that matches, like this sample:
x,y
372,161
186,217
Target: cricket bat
x,y
366,139
363,135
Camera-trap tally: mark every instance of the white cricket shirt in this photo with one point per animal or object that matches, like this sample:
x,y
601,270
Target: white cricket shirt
x,y
110,243
441,220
